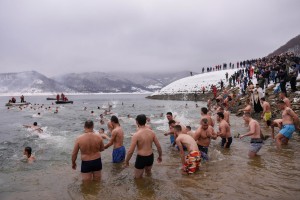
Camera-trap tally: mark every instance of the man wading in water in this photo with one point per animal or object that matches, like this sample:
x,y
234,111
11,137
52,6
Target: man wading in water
x,y
90,145
143,140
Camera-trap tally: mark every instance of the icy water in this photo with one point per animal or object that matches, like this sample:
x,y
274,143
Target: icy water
x,y
228,175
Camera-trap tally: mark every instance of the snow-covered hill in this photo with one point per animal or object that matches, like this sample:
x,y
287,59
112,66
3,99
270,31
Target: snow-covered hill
x,y
195,83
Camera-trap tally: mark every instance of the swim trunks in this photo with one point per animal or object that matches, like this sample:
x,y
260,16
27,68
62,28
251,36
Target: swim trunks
x,y
287,130
204,151
192,162
118,154
255,144
224,141
144,161
91,165
267,116
172,138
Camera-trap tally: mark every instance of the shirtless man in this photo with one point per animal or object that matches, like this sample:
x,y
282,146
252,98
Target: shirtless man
x,y
285,99
189,131
172,138
27,152
103,134
266,115
34,127
290,122
255,133
117,138
224,131
226,114
204,114
143,140
191,162
248,108
203,137
90,146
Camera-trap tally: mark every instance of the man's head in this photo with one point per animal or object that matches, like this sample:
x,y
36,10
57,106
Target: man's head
x,y
282,95
34,123
114,120
101,130
188,128
141,120
27,151
177,129
89,124
247,117
263,99
281,104
169,116
204,111
220,116
172,123
204,123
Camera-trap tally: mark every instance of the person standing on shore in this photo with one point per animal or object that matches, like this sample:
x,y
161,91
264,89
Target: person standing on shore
x,y
143,140
255,133
117,138
290,122
90,146
224,131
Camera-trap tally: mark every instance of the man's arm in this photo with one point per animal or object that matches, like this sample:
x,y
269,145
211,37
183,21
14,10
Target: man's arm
x,y
101,144
74,154
197,134
294,116
222,132
212,133
112,139
251,132
131,149
157,144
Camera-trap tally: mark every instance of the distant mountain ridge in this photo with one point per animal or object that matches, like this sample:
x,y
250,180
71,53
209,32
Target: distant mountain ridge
x,y
292,45
29,82
92,82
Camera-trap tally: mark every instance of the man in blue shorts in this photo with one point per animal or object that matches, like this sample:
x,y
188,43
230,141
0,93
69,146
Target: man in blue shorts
x,y
290,122
117,138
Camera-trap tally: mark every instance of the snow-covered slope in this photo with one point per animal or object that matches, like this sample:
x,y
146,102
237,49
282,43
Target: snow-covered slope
x,y
195,83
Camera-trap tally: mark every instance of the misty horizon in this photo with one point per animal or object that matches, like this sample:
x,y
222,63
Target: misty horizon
x,y
59,37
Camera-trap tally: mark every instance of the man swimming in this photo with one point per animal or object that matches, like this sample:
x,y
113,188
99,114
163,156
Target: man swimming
x,y
90,146
34,127
191,162
117,138
255,133
143,140
29,156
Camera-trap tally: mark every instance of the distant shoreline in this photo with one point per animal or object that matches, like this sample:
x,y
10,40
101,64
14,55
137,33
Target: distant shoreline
x,y
70,94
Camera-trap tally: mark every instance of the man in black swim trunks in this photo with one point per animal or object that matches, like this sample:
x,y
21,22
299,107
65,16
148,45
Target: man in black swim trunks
x,y
90,146
143,139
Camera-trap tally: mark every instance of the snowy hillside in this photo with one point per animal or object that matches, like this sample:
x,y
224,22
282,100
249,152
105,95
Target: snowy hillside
x,y
195,83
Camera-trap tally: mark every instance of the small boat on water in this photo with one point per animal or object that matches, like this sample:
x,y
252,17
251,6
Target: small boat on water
x,y
63,102
49,98
17,104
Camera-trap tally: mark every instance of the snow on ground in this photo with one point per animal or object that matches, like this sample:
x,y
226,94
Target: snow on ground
x,y
195,83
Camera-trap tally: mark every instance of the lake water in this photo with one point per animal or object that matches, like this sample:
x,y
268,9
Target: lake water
x,y
229,174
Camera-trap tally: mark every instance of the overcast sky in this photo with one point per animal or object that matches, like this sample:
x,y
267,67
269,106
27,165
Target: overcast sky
x,y
63,36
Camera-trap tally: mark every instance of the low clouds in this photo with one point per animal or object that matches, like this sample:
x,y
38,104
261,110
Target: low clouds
x,y
61,36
